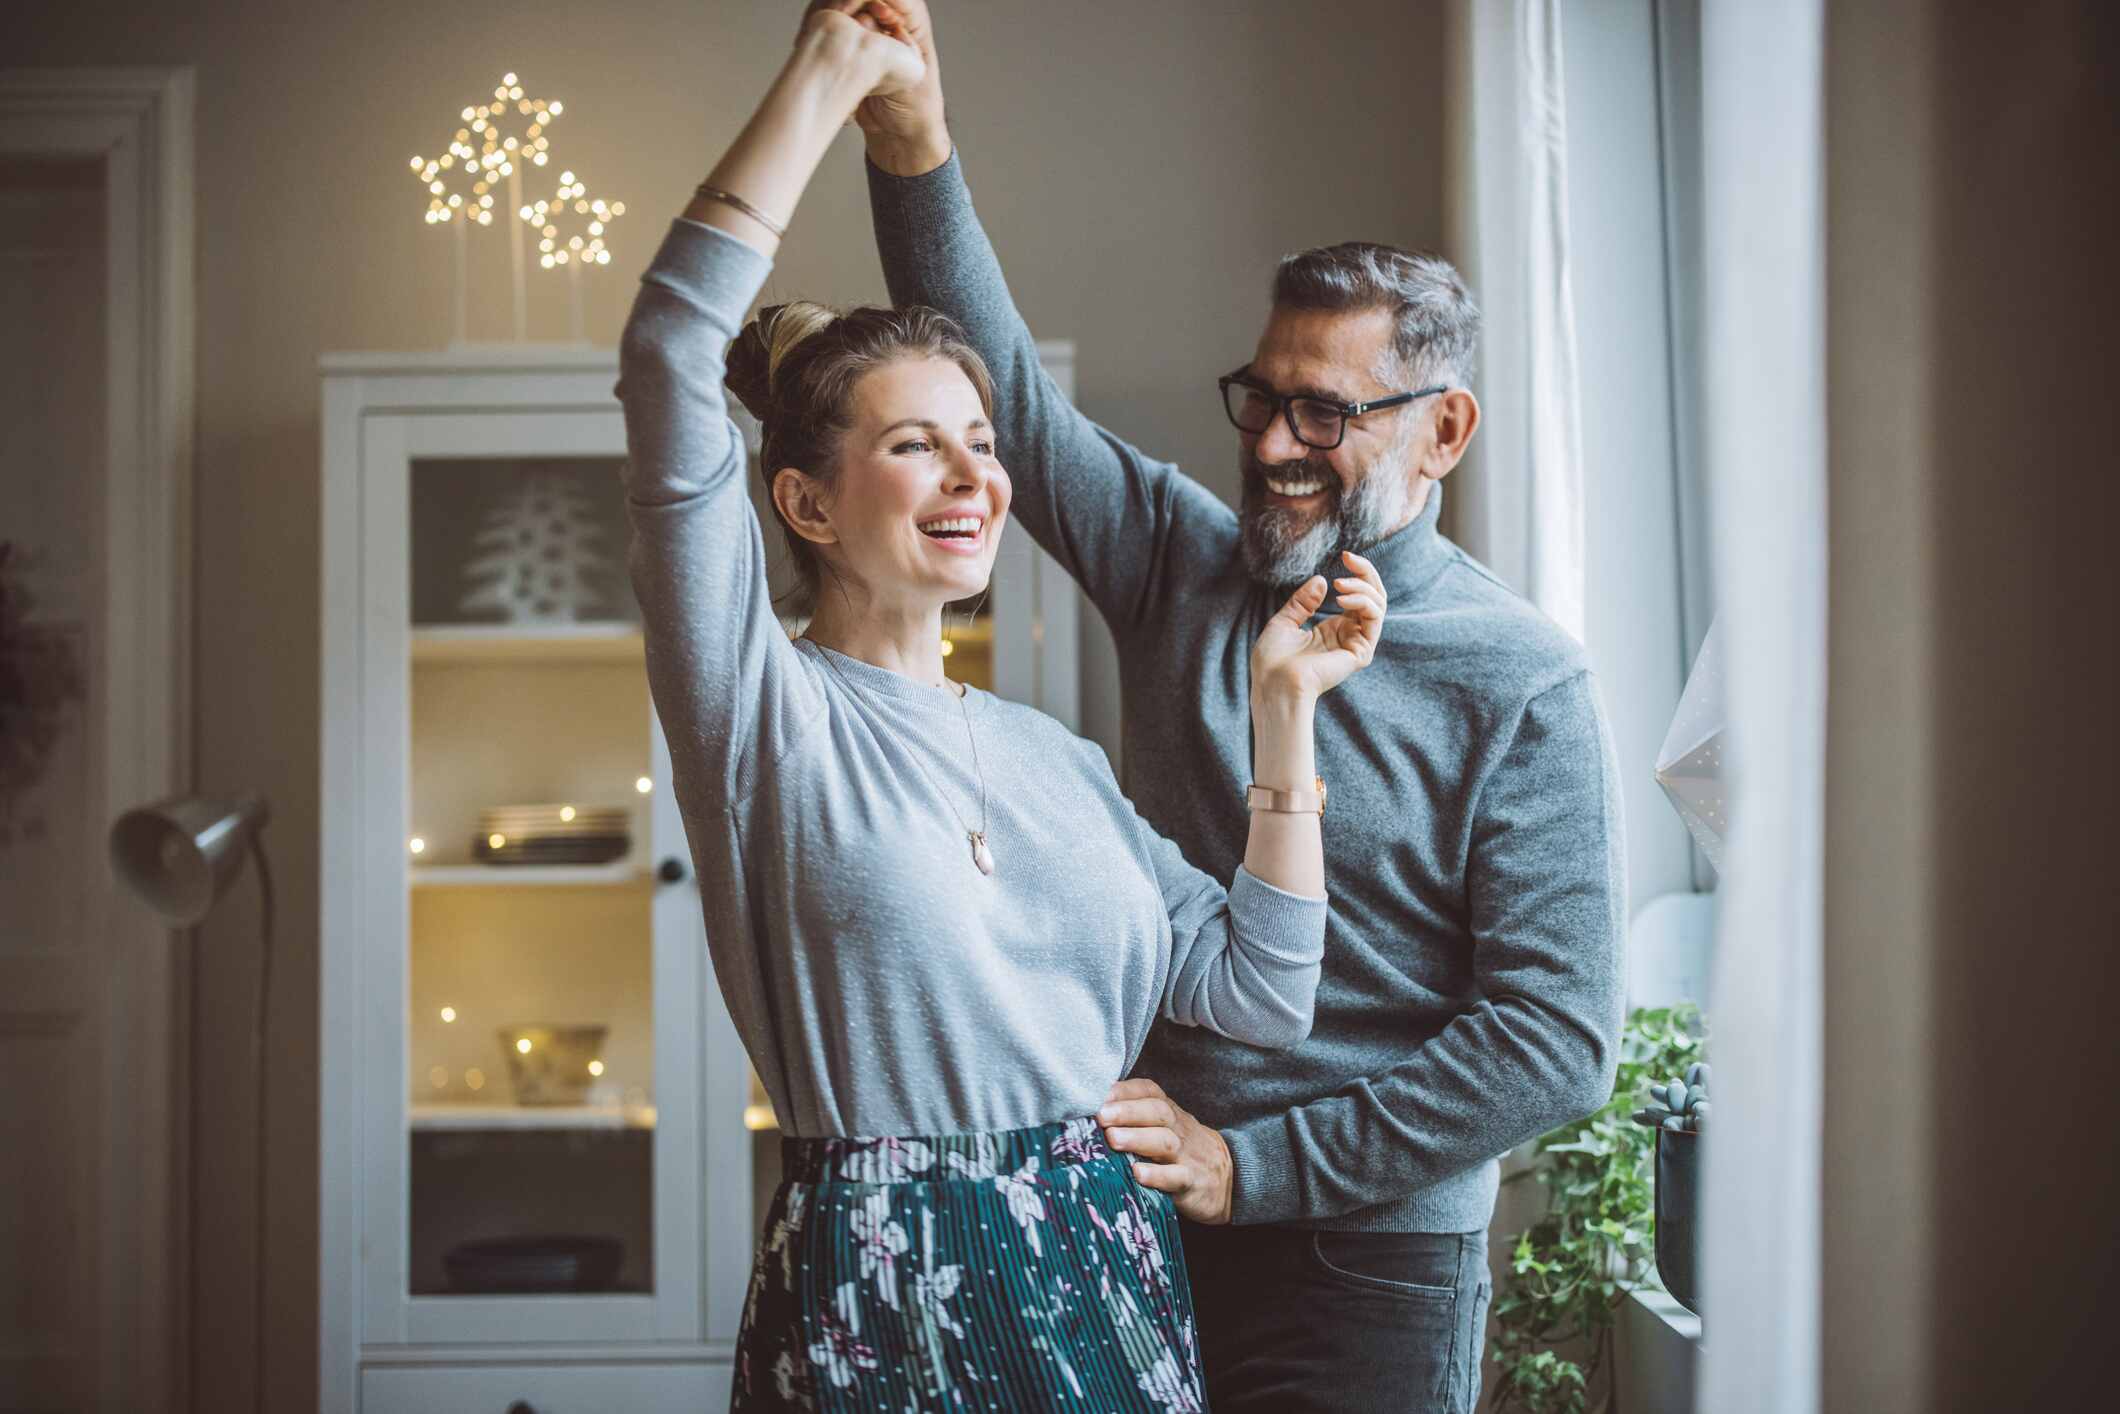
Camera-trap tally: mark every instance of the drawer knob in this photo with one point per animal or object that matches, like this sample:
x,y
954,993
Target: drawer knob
x,y
670,871
521,1406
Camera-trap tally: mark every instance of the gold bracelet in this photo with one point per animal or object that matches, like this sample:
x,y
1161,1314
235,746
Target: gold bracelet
x,y
730,198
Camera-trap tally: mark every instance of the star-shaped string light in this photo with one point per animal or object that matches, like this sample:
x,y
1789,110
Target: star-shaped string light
x,y
572,206
495,138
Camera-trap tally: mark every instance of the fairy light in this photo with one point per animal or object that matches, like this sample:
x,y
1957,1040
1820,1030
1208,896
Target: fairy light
x,y
495,134
571,224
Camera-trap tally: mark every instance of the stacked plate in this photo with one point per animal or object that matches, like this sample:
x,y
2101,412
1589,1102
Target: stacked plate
x,y
505,1265
552,834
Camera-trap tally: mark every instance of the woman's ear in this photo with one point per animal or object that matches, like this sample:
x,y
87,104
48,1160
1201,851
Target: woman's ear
x,y
801,503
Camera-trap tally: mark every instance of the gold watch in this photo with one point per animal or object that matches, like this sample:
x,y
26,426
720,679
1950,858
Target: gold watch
x,y
1288,802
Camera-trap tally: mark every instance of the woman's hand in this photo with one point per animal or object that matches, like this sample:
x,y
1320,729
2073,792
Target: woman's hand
x,y
1301,660
904,126
862,38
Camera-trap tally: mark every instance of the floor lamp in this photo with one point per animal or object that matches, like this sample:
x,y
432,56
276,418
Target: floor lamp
x,y
178,856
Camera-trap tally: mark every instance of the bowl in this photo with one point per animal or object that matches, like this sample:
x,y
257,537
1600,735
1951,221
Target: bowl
x,y
549,1064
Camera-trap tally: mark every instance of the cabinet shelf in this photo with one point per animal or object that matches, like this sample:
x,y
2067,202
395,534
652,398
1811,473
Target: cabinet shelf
x,y
620,873
614,642
522,1117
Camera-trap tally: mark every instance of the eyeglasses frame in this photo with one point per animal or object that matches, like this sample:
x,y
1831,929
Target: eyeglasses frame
x,y
1281,401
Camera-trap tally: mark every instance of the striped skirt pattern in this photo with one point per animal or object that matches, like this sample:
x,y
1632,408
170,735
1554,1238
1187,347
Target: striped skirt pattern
x,y
1016,1271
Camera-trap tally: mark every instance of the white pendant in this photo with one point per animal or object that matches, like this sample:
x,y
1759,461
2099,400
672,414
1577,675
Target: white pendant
x,y
981,855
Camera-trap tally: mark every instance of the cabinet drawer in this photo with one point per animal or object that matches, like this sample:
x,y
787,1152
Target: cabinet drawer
x,y
544,1389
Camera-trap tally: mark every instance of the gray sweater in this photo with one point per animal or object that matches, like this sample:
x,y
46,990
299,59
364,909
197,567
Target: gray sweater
x,y
1471,996
881,983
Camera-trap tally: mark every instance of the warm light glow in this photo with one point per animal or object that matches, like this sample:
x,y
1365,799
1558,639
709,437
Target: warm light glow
x,y
948,648
438,1077
596,1067
566,812
416,845
509,79
757,1117
448,1013
522,1045
644,785
475,1079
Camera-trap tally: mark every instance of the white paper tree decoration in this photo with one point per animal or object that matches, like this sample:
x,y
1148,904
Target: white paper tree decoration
x,y
542,556
1690,765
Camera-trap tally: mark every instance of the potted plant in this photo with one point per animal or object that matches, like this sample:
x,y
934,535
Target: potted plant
x,y
1569,1271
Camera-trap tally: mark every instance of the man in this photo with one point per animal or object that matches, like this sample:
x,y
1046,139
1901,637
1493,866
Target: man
x,y
1336,1196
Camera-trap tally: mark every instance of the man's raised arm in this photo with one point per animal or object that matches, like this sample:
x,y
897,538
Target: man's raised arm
x,y
1110,515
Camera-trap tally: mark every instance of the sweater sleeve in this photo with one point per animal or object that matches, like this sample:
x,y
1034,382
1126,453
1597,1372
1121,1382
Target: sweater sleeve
x,y
731,691
1245,961
1547,895
1112,517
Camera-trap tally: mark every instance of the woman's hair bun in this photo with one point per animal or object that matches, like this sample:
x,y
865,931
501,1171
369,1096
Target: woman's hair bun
x,y
762,350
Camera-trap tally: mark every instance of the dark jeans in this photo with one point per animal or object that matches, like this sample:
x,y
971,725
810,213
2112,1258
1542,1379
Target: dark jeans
x,y
1293,1319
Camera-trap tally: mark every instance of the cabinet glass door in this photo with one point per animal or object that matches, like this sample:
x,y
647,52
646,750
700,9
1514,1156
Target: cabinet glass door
x,y
530,1024
538,1084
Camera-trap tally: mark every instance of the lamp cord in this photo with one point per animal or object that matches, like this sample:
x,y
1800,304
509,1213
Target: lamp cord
x,y
265,898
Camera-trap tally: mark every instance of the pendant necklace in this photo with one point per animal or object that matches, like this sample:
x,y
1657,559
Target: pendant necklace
x,y
982,855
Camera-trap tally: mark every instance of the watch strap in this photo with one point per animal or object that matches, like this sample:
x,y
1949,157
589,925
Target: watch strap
x,y
1288,802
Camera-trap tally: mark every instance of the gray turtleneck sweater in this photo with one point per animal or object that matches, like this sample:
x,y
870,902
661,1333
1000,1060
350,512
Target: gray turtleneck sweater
x,y
1471,996
881,983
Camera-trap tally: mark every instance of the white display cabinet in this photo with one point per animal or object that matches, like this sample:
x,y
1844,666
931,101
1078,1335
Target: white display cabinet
x,y
542,1153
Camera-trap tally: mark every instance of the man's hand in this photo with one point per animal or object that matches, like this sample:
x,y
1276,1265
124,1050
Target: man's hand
x,y
850,36
1172,1151
905,130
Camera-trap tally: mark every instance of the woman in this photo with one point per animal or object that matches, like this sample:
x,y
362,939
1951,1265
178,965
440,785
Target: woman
x,y
941,930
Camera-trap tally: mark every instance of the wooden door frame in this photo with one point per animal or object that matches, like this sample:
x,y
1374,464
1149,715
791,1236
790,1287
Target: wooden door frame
x,y
139,122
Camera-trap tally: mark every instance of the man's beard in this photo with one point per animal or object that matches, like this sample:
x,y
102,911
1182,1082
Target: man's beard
x,y
1281,549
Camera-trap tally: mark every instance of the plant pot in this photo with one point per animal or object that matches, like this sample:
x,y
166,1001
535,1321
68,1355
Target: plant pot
x,y
1677,1215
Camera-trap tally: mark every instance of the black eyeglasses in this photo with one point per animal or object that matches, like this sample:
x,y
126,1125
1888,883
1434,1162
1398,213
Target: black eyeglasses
x,y
1318,423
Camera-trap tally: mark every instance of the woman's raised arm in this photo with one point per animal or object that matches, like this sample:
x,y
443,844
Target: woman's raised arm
x,y
730,690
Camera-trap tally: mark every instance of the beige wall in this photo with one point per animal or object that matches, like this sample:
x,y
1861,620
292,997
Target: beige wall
x,y
1140,165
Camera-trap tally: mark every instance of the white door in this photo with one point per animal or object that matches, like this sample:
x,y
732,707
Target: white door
x,y
88,687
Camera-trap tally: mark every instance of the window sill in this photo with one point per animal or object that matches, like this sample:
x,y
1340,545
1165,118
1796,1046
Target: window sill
x,y
1656,1355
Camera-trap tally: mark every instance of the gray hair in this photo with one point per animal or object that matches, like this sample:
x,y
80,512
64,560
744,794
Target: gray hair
x,y
1435,323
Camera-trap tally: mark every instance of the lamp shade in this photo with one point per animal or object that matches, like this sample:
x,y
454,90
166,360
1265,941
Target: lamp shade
x,y
1690,766
179,855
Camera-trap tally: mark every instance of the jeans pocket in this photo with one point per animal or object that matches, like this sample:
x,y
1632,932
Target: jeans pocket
x,y
1416,1265
1474,1337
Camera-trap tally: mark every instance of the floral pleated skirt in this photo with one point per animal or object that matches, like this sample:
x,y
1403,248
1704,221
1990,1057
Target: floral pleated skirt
x,y
1022,1270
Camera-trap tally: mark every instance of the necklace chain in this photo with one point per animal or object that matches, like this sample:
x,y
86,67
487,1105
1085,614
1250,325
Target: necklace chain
x,y
978,836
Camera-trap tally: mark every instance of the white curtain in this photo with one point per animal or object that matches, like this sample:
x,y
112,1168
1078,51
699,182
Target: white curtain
x,y
1518,503
1765,435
